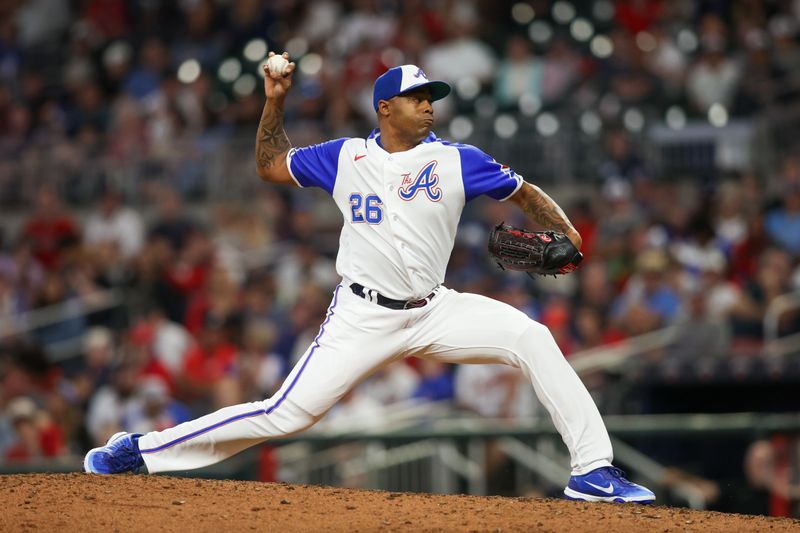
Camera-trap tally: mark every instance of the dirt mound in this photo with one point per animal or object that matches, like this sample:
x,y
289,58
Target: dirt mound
x,y
82,502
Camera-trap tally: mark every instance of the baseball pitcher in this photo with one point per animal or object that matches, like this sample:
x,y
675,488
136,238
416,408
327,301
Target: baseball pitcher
x,y
401,192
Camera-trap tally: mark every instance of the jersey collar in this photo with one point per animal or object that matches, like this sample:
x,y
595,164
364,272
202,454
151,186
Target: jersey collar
x,y
375,136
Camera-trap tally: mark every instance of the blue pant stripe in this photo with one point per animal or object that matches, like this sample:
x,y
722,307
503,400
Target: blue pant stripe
x,y
251,414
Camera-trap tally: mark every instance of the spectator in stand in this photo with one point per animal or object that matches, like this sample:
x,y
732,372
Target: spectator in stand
x,y
26,371
436,381
248,20
772,475
259,298
561,70
21,276
729,216
95,367
772,279
367,22
783,223
392,384
354,411
50,230
714,77
461,55
144,79
591,329
186,277
168,342
258,371
619,217
648,301
621,160
89,110
171,221
126,133
303,263
37,435
111,18
626,74
494,391
705,329
207,363
745,255
218,299
556,316
41,24
698,249
301,326
55,291
783,29
152,408
594,290
107,407
10,53
199,38
667,62
720,294
117,224
761,77
516,293
638,15
518,75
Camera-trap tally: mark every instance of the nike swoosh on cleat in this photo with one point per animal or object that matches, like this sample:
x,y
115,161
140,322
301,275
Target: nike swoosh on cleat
x,y
360,156
607,490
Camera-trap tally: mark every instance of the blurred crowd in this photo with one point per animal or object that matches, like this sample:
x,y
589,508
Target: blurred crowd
x,y
153,90
108,113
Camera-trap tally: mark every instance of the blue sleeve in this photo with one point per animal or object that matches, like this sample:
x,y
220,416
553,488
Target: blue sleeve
x,y
316,166
483,175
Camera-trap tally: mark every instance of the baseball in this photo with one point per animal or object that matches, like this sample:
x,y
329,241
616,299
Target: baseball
x,y
277,64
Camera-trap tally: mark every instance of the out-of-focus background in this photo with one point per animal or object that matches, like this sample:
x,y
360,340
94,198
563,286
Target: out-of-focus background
x,y
147,276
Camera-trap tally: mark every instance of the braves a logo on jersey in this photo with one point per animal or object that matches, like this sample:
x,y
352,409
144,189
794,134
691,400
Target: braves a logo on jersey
x,y
426,181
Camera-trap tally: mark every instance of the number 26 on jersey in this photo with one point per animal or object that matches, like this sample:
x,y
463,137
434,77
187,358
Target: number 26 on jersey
x,y
366,208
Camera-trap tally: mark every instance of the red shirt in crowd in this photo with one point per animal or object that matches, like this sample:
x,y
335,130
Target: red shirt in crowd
x,y
47,237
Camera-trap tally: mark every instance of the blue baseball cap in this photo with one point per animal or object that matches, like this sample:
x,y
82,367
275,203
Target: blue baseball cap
x,y
404,78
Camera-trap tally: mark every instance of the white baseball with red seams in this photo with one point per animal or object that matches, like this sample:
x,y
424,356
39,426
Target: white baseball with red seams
x,y
401,212
278,64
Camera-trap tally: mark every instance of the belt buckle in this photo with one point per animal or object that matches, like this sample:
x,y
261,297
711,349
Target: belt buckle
x,y
422,302
413,304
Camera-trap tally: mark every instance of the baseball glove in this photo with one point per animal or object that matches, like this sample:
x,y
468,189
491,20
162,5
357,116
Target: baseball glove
x,y
535,252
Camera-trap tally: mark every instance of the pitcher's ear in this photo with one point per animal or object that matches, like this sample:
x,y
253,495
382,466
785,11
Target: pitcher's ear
x,y
383,108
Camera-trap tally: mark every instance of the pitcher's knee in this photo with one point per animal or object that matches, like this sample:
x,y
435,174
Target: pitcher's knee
x,y
534,332
537,339
288,418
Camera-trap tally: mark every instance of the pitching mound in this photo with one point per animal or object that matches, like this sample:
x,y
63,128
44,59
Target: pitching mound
x,y
82,502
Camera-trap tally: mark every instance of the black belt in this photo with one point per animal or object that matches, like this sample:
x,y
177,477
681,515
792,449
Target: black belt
x,y
389,303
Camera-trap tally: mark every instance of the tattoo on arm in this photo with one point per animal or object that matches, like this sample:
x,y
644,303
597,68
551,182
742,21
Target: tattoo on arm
x,y
542,209
271,142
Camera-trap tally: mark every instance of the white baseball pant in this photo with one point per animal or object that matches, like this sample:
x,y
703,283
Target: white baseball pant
x,y
356,338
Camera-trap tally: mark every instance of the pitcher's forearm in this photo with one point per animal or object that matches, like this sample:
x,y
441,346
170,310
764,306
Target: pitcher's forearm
x,y
543,210
272,143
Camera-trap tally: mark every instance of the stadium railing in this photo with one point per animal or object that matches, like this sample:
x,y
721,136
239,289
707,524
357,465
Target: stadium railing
x,y
448,454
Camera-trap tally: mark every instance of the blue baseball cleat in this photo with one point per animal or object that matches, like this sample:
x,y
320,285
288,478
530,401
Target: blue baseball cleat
x,y
120,454
607,484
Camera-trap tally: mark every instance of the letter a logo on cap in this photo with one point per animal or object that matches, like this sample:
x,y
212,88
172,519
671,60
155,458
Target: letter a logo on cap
x,y
420,74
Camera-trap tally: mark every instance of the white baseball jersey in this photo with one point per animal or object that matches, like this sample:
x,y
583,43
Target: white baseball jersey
x,y
400,216
401,210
